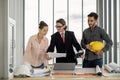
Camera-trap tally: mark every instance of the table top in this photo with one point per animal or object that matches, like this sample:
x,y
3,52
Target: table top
x,y
79,74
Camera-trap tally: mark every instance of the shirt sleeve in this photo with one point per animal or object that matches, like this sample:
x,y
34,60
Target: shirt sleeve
x,y
27,54
83,42
75,43
46,44
108,41
52,45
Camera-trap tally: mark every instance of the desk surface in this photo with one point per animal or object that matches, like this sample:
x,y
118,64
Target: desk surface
x,y
62,75
80,78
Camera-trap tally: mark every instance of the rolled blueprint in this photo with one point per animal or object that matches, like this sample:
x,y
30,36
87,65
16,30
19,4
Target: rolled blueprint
x,y
113,68
98,71
109,69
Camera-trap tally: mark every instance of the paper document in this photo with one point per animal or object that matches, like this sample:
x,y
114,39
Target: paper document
x,y
113,68
85,71
56,55
114,65
96,71
109,69
40,72
40,75
111,74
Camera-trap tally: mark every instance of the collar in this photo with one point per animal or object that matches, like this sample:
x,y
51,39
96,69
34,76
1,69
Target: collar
x,y
37,35
93,28
62,32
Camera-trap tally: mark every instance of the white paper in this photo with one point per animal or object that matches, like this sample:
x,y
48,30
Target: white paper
x,y
111,74
40,75
56,55
113,68
85,70
40,72
96,71
108,68
114,65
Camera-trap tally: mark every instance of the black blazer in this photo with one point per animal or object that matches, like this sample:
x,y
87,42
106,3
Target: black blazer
x,y
64,47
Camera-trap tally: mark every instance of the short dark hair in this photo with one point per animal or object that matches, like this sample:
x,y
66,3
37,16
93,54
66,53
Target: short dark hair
x,y
42,24
93,14
62,21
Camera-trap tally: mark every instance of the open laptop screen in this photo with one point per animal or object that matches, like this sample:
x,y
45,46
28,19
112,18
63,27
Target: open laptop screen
x,y
64,66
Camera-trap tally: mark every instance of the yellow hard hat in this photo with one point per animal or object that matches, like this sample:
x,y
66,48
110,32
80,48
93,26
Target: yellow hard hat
x,y
96,46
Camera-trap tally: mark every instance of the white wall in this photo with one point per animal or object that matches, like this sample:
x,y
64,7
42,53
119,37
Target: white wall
x,y
1,39
18,11
15,12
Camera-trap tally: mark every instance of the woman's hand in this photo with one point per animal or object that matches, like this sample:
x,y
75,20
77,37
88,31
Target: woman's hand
x,y
47,57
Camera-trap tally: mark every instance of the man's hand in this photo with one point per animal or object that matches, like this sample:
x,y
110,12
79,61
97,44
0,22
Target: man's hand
x,y
96,52
82,56
88,46
99,52
79,54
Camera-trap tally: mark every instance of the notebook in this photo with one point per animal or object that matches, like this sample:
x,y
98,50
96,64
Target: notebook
x,y
64,66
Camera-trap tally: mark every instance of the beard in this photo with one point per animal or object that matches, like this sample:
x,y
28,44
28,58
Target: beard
x,y
92,25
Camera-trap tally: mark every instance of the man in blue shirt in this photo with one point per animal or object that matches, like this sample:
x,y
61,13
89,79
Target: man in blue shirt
x,y
94,33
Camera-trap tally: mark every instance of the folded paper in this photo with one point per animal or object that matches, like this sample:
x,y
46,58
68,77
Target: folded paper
x,y
56,55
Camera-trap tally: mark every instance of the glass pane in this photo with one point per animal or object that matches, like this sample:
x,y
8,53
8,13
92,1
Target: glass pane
x,y
75,19
31,18
88,6
60,10
112,31
118,31
46,14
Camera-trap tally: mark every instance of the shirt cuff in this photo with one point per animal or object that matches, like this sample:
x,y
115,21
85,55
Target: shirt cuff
x,y
80,51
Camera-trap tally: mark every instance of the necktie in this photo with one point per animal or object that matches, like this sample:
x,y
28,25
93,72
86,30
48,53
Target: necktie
x,y
63,37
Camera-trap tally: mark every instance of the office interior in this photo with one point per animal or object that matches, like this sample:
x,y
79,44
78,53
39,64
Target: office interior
x,y
13,23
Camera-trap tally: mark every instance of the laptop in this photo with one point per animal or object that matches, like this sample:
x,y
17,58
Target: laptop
x,y
64,66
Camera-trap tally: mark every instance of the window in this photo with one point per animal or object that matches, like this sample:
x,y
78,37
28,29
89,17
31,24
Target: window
x,y
73,11
31,18
75,17
46,14
88,7
111,23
